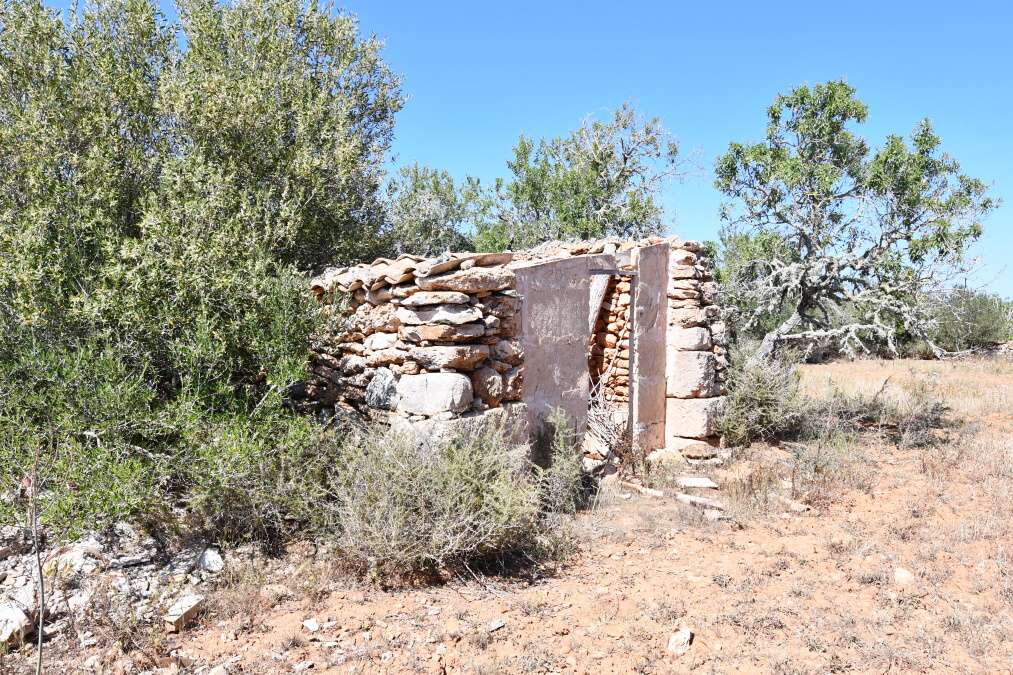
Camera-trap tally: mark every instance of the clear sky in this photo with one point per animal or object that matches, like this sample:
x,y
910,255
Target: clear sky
x,y
478,74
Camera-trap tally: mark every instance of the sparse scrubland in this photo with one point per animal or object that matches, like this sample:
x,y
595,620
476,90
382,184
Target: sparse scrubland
x,y
875,537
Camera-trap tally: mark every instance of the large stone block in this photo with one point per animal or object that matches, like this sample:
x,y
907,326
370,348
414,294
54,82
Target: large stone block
x,y
369,319
378,341
689,317
696,338
463,357
692,418
435,298
510,418
381,392
433,393
691,375
449,314
443,332
473,280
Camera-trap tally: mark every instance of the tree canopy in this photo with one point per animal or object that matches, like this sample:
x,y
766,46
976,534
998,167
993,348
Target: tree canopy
x,y
864,232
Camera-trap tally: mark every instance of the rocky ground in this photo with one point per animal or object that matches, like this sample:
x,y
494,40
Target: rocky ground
x,y
901,559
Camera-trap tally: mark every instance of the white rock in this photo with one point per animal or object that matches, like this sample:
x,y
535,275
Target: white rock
x,y
691,418
702,482
210,560
679,642
903,577
183,611
703,502
473,280
691,375
432,393
312,625
378,341
450,314
696,338
14,624
435,298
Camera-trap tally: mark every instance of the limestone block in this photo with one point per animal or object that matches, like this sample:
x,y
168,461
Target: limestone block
x,y
696,338
369,319
513,384
442,332
447,314
501,306
470,281
681,257
683,294
378,341
435,298
352,364
692,418
487,385
381,392
720,333
689,317
691,375
510,418
508,351
463,357
683,272
386,357
684,284
432,393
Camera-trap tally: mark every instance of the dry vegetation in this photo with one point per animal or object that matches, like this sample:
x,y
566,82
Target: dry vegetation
x,y
904,562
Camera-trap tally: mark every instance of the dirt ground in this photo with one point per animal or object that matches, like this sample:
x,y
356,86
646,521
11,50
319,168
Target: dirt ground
x,y
904,564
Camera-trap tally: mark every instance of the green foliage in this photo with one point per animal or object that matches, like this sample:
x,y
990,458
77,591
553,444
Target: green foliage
x,y
737,271
967,319
764,400
426,212
603,179
865,232
162,190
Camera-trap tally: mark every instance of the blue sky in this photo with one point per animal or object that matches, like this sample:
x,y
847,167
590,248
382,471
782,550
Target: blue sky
x,y
479,74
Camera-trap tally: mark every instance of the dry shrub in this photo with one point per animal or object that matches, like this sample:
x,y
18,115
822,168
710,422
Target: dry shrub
x,y
752,494
410,509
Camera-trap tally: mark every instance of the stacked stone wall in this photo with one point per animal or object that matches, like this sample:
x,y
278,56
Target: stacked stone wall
x,y
610,348
696,368
440,345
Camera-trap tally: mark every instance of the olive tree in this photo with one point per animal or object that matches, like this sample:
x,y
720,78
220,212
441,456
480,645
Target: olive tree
x,y
603,179
866,232
164,188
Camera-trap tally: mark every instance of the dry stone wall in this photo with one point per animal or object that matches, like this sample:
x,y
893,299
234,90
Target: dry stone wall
x,y
609,361
696,360
419,339
436,344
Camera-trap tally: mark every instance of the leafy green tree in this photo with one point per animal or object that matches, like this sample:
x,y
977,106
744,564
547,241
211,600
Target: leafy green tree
x,y
603,179
866,232
163,189
427,213
737,273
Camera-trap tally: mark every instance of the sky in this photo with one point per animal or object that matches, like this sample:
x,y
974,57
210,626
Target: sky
x,y
479,74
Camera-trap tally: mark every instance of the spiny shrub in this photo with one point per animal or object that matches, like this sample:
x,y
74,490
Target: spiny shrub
x,y
764,399
405,507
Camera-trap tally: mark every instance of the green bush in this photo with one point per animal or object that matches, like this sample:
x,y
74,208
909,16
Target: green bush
x,y
164,188
965,319
764,399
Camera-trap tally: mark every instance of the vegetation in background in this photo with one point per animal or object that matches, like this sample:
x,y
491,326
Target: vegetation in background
x,y
158,206
865,234
603,179
964,318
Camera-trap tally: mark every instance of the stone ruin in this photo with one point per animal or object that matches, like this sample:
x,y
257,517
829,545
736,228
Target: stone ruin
x,y
443,345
